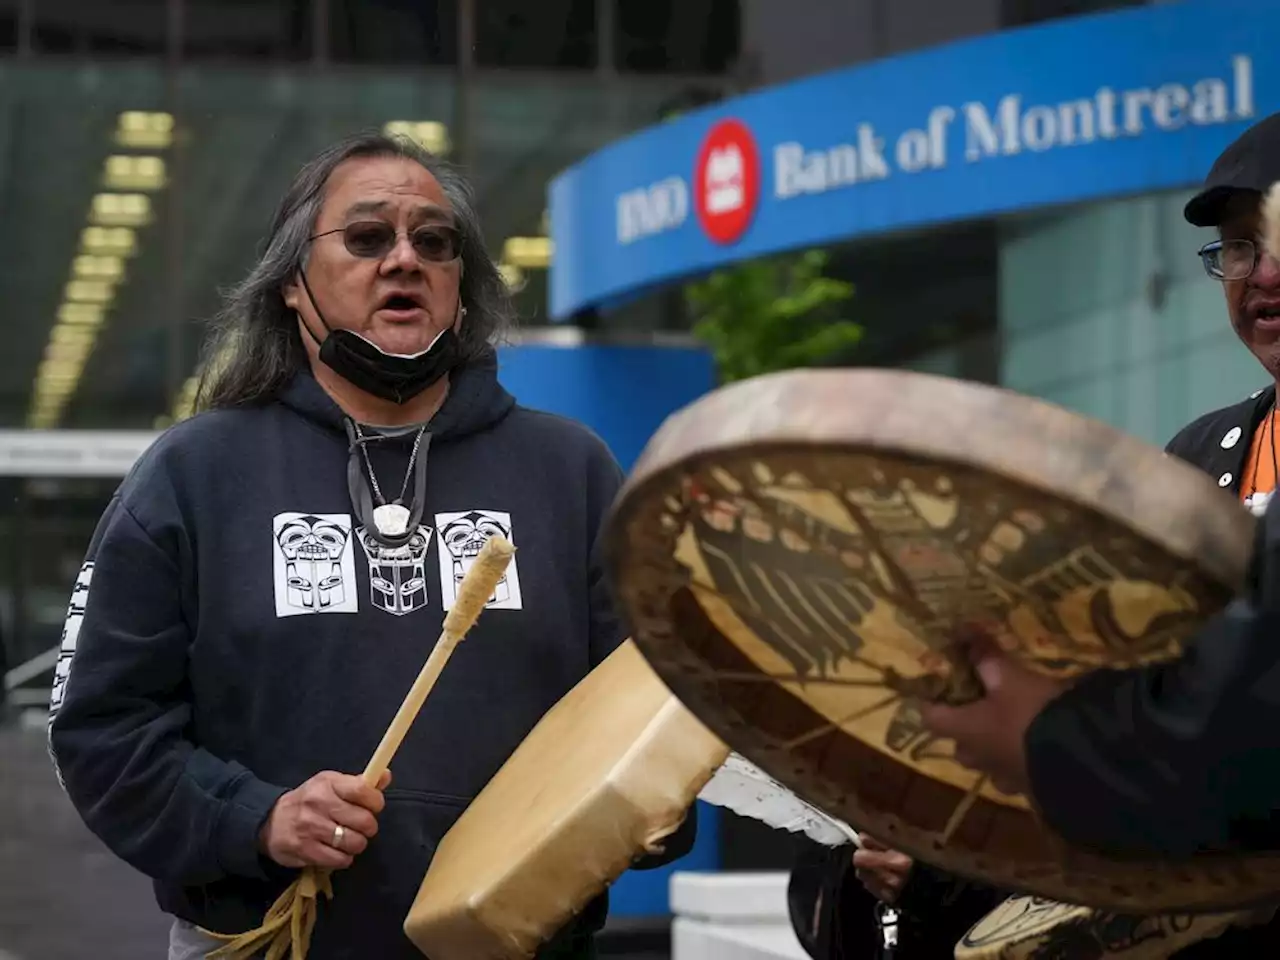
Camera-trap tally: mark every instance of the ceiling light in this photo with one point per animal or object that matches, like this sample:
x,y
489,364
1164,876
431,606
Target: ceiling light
x,y
109,241
53,386
90,291
67,352
91,266
120,210
139,129
125,172
58,369
431,135
51,405
529,252
80,314
65,334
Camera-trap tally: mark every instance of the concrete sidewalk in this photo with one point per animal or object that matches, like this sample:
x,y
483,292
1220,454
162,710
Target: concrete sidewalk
x,y
63,895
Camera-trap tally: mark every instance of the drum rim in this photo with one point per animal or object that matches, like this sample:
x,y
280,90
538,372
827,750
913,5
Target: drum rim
x,y
1186,510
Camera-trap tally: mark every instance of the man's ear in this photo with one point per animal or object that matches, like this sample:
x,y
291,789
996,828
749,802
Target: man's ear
x,y
290,292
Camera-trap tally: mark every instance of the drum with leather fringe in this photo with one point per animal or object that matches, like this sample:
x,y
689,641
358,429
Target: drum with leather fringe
x,y
796,554
604,777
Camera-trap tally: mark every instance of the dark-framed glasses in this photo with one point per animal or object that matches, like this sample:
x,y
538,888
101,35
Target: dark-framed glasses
x,y
374,239
1230,259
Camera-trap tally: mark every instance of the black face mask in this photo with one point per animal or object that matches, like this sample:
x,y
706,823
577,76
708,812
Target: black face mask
x,y
387,375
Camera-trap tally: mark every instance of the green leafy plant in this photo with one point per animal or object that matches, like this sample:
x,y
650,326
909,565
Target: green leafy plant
x,y
771,314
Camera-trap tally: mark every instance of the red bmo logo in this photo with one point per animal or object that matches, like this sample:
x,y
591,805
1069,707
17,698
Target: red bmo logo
x,y
726,181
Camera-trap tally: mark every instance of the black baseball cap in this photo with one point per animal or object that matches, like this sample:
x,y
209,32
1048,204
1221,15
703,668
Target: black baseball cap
x,y
1251,163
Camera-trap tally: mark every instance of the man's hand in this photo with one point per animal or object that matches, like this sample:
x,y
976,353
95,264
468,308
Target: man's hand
x,y
881,870
989,733
301,829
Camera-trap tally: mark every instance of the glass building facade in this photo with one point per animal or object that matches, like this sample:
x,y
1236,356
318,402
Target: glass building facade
x,y
1105,309
144,145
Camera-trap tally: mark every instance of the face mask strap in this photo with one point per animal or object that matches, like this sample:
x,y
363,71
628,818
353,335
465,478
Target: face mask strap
x,y
302,275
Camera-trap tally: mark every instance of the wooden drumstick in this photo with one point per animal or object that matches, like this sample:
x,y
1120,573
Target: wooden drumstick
x,y
476,589
288,925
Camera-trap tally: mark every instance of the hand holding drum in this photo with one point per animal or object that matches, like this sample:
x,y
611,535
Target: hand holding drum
x,y
989,733
881,870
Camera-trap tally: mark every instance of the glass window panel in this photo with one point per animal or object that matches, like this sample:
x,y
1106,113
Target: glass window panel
x,y
553,34
122,28
248,29
129,212
394,32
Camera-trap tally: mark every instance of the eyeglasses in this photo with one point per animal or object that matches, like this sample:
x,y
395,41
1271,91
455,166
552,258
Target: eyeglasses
x,y
1230,259
374,239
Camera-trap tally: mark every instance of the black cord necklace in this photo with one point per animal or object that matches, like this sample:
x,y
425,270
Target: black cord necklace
x,y
395,523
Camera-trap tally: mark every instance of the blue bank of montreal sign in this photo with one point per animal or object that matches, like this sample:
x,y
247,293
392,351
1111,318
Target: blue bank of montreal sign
x,y
1082,109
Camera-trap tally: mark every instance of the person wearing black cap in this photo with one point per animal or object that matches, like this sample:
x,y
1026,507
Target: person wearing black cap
x,y
1237,444
1183,757
1166,761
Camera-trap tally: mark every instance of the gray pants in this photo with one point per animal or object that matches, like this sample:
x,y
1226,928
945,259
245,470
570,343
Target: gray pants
x,y
188,943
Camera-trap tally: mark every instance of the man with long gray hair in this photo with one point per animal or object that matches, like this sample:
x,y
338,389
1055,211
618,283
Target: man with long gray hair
x,y
274,568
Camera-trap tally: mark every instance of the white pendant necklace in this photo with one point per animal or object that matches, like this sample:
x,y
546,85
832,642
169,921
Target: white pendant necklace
x,y
391,519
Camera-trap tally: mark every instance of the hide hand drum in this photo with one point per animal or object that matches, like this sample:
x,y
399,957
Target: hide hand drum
x,y
797,553
603,779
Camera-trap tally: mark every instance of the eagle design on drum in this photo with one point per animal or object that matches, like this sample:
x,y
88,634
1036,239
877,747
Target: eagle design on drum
x,y
817,570
850,579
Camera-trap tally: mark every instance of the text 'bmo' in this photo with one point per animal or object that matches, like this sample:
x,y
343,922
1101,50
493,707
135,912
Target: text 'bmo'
x,y
651,210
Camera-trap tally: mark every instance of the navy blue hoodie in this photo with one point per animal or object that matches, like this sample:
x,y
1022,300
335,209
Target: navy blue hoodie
x,y
231,634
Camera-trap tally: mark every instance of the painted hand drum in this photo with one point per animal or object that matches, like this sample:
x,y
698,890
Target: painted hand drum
x,y
796,552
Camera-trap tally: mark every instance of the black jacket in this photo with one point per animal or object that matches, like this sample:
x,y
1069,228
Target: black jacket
x,y
1218,442
1204,729
835,918
1226,801
233,632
